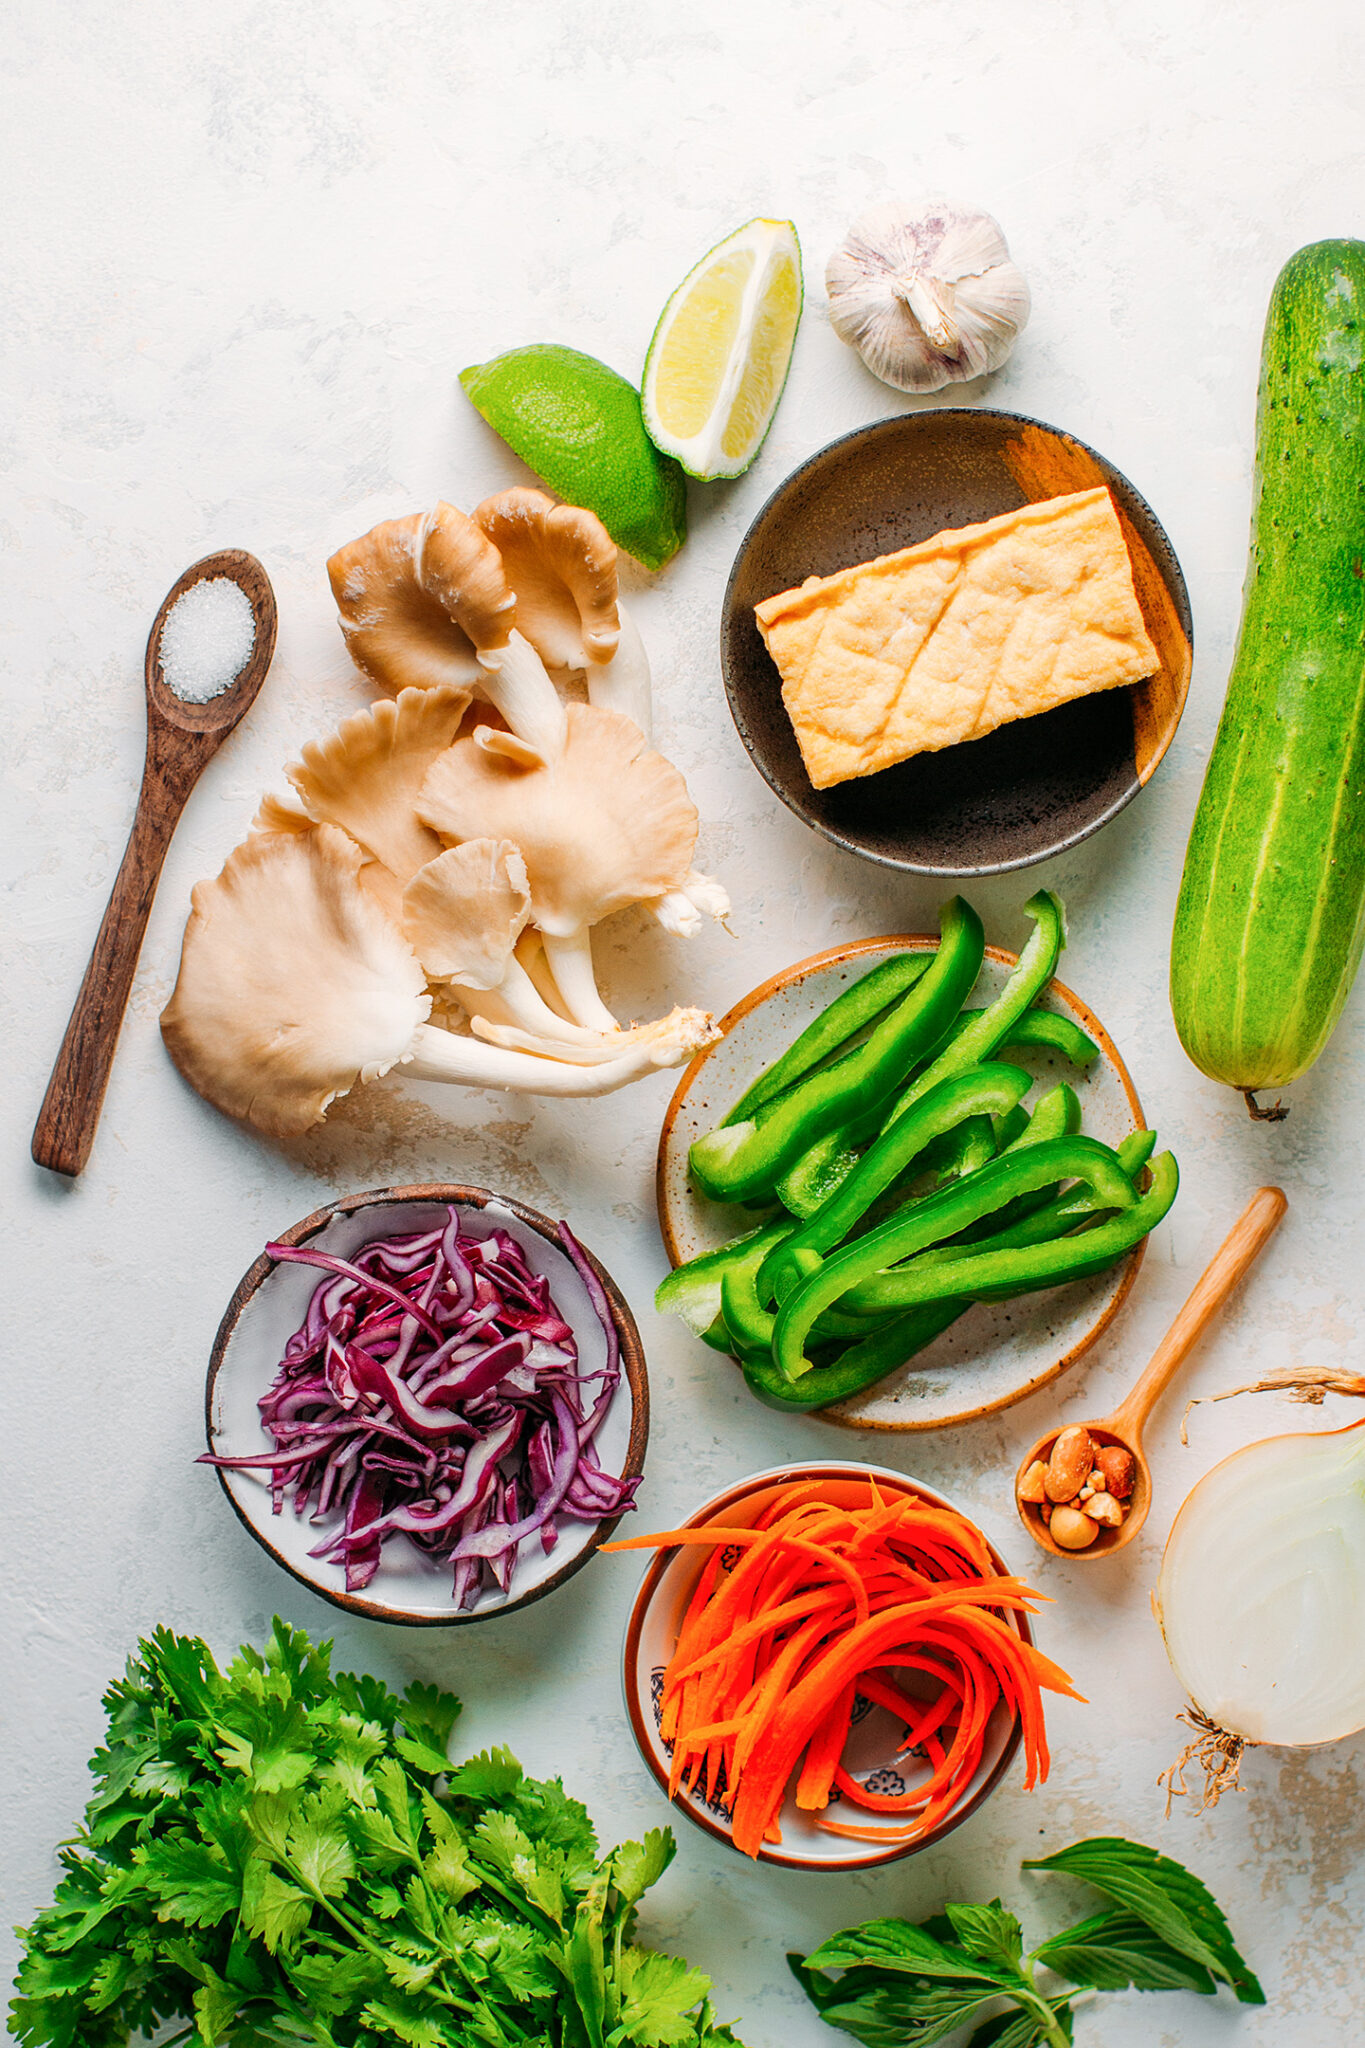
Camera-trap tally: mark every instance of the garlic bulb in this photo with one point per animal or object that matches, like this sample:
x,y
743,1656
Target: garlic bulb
x,y
926,293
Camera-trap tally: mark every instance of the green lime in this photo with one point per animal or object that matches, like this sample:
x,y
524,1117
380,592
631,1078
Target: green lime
x,y
579,426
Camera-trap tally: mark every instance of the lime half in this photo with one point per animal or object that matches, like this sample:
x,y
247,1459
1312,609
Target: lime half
x,y
722,348
578,425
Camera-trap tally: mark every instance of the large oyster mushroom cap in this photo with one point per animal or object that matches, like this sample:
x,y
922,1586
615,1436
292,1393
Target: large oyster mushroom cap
x,y
365,776
606,824
293,983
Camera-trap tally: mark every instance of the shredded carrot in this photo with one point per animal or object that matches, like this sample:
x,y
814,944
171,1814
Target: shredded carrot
x,y
817,1603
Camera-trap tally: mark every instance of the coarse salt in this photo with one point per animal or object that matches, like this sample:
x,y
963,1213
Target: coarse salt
x,y
206,639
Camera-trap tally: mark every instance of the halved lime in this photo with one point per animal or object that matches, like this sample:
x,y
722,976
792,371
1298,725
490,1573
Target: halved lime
x,y
721,351
578,425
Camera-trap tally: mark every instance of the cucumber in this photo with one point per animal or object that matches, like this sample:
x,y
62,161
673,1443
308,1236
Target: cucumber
x,y
1271,916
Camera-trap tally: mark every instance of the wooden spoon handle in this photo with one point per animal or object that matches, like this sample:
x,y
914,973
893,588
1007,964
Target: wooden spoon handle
x,y
65,1129
1238,1251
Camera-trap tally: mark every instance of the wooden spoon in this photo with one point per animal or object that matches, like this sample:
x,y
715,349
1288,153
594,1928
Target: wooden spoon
x,y
181,739
1238,1251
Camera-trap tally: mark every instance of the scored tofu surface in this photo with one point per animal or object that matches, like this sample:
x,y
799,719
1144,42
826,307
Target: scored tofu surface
x,y
946,640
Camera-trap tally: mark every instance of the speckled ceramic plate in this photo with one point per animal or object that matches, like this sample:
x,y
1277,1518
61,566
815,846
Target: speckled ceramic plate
x,y
270,1304
1027,790
995,1354
872,1755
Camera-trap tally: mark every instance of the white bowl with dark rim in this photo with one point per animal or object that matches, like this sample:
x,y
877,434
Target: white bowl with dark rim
x,y
871,1754
996,1353
270,1303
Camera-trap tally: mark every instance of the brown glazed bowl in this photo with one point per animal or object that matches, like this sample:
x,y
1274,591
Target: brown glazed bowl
x,y
1027,790
871,1753
269,1305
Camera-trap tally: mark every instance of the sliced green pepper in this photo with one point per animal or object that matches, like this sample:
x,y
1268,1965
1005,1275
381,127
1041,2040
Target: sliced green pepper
x,y
819,1171
861,1271
985,1091
692,1290
839,1021
864,1363
990,1027
741,1161
1045,1030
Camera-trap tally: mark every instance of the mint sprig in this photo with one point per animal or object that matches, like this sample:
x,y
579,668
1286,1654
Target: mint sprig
x,y
906,1984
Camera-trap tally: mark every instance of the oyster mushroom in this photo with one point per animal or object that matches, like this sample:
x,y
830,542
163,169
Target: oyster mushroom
x,y
463,915
294,985
365,776
425,600
606,824
561,562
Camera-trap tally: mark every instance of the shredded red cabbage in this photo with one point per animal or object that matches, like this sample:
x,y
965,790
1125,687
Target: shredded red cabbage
x,y
433,1388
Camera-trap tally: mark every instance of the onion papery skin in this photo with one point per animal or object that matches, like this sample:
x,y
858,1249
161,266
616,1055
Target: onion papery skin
x,y
1261,1597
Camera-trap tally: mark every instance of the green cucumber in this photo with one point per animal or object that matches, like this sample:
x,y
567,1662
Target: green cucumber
x,y
1271,917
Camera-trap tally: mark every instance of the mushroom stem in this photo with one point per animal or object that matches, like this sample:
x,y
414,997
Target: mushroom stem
x,y
517,1004
570,962
438,1055
517,684
681,911
622,684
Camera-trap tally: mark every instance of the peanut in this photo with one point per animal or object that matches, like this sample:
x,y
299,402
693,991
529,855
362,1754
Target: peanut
x,y
1119,1469
1067,1468
1071,1530
1103,1508
1031,1485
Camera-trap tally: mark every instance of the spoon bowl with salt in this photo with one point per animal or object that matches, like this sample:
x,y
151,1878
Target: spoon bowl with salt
x,y
210,646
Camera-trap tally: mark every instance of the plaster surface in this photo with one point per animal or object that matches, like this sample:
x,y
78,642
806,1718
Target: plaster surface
x,y
247,249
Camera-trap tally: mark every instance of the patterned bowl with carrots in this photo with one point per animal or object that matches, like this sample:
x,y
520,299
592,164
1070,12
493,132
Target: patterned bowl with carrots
x,y
829,1667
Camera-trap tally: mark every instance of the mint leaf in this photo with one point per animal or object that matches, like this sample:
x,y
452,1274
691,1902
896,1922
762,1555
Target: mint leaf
x,y
901,1946
1166,1896
1114,1951
989,1933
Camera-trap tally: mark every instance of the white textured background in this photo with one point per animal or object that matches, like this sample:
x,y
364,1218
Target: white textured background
x,y
248,249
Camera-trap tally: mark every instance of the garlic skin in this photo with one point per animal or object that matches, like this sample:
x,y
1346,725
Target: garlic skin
x,y
926,293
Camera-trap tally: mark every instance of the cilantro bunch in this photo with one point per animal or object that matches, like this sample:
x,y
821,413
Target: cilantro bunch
x,y
905,1985
279,1856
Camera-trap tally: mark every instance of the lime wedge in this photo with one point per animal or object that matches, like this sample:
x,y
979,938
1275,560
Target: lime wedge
x,y
578,425
722,348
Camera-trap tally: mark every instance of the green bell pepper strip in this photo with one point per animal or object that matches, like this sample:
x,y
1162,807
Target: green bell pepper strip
x,y
1008,1130
751,1324
839,1021
820,1169
985,1091
1046,1030
861,1272
990,1028
741,1161
960,1045
692,1290
862,1364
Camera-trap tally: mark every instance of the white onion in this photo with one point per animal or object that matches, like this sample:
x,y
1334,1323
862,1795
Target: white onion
x,y
1261,1597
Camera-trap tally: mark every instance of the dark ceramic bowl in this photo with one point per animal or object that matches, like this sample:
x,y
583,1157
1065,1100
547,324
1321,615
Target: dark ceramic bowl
x,y
269,1304
1028,789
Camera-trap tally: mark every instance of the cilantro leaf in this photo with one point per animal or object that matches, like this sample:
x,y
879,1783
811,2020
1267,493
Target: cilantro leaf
x,y
190,1882
489,1776
1113,1951
273,1908
657,1994
1166,1897
429,1715
636,1866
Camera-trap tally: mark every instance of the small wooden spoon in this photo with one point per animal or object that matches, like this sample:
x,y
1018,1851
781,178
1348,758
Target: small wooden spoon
x,y
1238,1251
181,739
